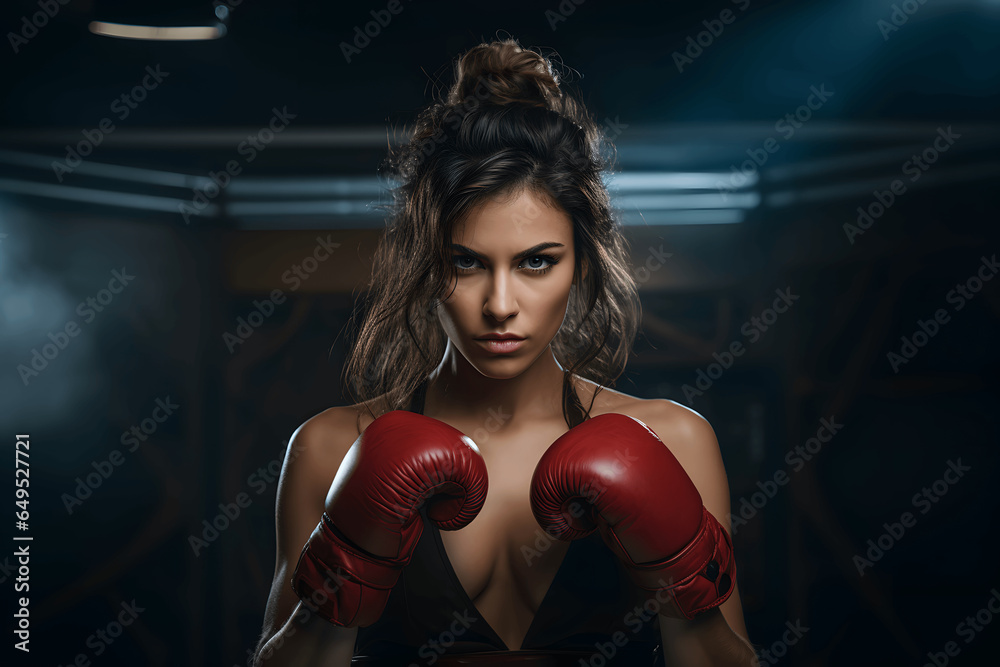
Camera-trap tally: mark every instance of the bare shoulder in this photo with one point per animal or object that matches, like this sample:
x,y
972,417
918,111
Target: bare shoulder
x,y
689,437
673,418
336,424
326,436
684,431
315,451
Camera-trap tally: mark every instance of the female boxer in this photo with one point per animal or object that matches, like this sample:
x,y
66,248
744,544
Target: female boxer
x,y
470,509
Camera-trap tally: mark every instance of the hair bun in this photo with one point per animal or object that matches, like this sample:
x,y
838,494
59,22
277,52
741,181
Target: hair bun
x,y
507,73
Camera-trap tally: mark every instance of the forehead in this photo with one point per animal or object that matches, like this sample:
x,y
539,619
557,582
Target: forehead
x,y
518,221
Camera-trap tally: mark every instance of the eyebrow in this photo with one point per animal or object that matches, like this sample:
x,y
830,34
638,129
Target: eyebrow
x,y
533,250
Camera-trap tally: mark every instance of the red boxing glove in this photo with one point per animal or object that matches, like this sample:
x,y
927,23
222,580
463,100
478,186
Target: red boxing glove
x,y
613,473
371,523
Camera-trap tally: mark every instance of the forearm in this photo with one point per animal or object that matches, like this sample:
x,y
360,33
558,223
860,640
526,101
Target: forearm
x,y
307,639
706,641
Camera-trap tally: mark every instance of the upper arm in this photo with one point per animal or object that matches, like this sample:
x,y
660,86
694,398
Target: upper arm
x,y
692,441
314,454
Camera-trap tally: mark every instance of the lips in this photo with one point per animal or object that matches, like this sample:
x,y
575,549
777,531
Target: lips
x,y
507,336
501,345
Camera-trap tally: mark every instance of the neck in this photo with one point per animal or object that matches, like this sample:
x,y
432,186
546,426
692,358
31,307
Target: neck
x,y
456,391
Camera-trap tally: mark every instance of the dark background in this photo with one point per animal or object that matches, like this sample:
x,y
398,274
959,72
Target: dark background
x,y
891,90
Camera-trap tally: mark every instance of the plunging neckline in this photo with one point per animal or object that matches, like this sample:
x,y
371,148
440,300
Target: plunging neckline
x,y
471,606
417,406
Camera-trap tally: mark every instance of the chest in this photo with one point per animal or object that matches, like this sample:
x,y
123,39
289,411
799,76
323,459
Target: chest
x,y
504,546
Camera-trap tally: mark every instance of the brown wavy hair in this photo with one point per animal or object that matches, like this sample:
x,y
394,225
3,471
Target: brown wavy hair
x,y
505,125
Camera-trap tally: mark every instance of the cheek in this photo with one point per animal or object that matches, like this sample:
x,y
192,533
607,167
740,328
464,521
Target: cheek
x,y
456,297
551,306
452,314
553,300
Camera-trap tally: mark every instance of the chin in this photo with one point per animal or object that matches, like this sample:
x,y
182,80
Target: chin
x,y
491,371
499,368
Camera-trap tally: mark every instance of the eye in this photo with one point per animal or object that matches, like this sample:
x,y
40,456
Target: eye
x,y
460,258
550,261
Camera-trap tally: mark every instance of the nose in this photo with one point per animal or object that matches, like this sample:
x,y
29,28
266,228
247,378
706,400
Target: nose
x,y
500,302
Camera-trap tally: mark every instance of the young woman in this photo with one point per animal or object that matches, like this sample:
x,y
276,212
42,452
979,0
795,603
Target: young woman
x,y
501,304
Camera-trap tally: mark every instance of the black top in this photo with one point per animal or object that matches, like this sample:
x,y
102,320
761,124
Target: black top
x,y
590,599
